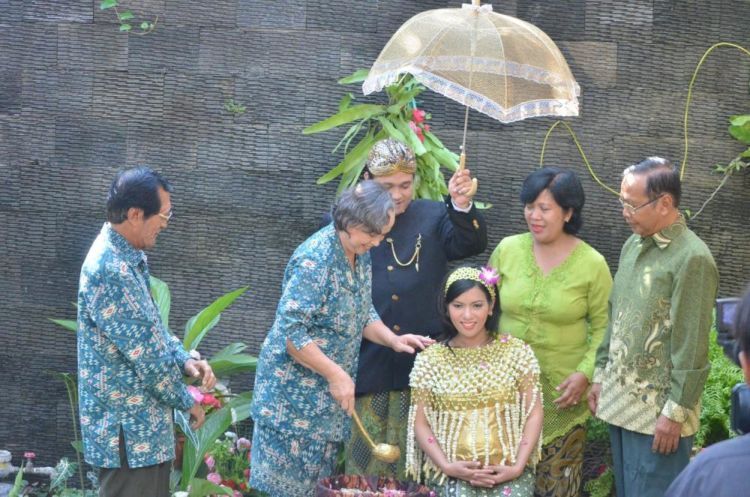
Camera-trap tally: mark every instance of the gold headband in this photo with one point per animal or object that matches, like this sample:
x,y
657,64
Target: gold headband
x,y
488,277
388,168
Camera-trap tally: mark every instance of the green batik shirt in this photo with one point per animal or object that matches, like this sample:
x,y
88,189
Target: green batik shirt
x,y
654,357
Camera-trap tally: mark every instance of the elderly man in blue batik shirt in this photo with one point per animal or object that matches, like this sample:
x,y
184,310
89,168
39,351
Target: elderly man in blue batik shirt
x,y
129,365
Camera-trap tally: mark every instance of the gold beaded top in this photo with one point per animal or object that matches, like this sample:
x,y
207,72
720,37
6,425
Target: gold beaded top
x,y
476,401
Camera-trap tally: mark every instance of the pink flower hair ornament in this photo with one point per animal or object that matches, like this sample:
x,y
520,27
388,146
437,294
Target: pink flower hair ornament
x,y
489,276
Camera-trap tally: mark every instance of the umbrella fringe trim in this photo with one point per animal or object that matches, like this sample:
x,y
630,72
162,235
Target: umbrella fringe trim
x,y
535,108
390,71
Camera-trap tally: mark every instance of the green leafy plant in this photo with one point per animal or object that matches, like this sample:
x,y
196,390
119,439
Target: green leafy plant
x,y
228,461
18,483
71,386
63,471
199,442
598,479
602,485
399,118
230,360
715,401
126,18
234,108
58,486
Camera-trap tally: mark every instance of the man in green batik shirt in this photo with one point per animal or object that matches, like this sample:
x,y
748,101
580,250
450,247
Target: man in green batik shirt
x,y
653,361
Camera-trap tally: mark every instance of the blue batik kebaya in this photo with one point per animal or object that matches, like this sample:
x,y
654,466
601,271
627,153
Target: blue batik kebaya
x,y
298,424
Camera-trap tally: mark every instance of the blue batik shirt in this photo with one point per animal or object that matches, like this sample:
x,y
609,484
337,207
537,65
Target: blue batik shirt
x,y
129,364
326,302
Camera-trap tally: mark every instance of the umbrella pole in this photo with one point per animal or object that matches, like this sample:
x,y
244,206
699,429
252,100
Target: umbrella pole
x,y
462,157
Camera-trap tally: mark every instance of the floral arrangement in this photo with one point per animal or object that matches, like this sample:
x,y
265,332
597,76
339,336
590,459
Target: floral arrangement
x,y
228,464
206,399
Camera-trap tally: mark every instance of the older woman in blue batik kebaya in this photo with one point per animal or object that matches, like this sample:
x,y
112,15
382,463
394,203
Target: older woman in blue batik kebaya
x,y
304,387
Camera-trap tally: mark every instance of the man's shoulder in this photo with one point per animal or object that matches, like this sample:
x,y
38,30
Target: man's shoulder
x,y
690,252
101,258
717,470
691,243
737,449
423,205
631,241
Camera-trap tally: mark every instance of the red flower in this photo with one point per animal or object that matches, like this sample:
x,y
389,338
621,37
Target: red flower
x,y
426,127
210,400
417,130
229,483
243,485
418,115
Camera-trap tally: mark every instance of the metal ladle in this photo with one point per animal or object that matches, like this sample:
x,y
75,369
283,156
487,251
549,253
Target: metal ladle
x,y
382,452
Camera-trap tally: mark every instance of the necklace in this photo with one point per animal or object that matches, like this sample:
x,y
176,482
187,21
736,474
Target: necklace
x,y
414,257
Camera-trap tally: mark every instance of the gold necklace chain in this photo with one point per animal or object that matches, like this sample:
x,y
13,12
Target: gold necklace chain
x,y
415,255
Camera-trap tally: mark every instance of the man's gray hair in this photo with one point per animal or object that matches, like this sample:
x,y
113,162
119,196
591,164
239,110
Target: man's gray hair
x,y
661,177
367,206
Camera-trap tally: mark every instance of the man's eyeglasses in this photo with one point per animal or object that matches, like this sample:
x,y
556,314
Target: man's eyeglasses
x,y
633,210
166,216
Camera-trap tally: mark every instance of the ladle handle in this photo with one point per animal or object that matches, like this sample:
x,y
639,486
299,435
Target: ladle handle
x,y
362,429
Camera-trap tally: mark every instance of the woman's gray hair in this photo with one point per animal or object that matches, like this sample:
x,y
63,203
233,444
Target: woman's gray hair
x,y
367,206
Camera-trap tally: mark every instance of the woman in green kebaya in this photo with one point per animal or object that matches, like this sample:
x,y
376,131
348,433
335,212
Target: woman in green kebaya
x,y
553,293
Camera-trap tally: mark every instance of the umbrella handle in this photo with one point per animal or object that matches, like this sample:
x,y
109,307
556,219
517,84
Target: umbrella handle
x,y
474,182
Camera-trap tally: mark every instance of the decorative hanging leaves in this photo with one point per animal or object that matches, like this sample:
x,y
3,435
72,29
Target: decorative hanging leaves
x,y
399,118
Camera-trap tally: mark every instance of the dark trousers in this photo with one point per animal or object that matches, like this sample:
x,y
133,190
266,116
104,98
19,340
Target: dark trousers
x,y
149,481
639,472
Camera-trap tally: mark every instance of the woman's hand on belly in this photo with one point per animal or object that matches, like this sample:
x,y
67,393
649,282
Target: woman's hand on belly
x,y
471,471
501,473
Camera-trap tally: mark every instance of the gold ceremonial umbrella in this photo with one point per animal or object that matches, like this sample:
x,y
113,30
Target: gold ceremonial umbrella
x,y
496,64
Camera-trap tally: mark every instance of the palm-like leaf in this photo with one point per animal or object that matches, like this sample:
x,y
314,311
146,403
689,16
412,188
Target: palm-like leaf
x,y
204,321
68,324
162,298
230,360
